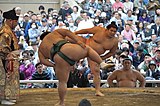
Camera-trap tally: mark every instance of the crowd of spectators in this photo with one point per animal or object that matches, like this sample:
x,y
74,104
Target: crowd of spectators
x,y
138,32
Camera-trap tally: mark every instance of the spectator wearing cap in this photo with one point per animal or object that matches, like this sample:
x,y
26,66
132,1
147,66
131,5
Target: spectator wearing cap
x,y
120,60
156,58
132,24
44,26
138,56
26,17
143,44
135,46
54,23
152,73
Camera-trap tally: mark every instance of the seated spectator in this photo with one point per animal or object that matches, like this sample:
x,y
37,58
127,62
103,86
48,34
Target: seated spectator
x,y
41,74
138,56
33,33
128,33
156,58
128,5
117,4
18,32
144,17
156,26
77,78
126,76
147,33
143,66
152,73
27,69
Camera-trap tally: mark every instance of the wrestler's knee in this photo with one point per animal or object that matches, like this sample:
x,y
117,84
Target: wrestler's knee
x,y
96,72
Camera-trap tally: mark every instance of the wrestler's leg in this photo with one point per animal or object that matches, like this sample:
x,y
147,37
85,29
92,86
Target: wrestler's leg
x,y
96,79
62,69
76,52
45,61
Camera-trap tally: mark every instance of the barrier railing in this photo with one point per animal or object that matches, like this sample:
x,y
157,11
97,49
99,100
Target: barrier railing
x,y
91,81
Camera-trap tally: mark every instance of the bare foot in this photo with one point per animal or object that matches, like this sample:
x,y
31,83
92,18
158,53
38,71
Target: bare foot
x,y
99,94
58,104
104,65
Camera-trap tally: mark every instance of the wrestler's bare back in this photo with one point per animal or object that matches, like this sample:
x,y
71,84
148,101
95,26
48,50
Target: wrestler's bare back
x,y
49,40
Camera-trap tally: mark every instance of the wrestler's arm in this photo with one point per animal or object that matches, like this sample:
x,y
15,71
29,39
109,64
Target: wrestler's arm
x,y
140,78
87,30
111,51
67,33
111,77
45,61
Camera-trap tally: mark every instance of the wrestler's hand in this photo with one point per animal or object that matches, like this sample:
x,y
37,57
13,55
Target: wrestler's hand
x,y
83,45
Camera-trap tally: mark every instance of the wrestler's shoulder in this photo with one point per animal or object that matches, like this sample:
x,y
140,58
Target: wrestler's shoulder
x,y
135,71
118,71
99,27
115,39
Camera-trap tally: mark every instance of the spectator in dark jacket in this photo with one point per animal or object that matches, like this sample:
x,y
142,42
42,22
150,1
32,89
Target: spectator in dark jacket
x,y
41,74
77,78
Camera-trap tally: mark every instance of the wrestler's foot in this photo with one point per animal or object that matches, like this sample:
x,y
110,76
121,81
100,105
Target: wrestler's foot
x,y
99,94
104,65
58,104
